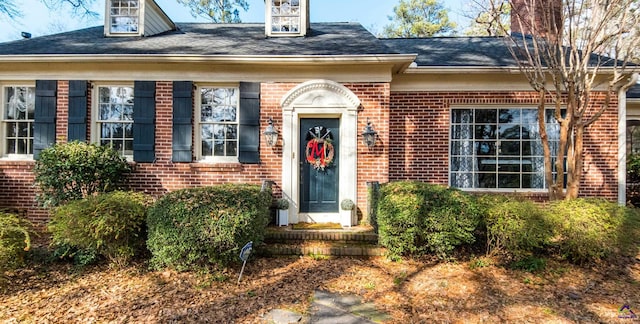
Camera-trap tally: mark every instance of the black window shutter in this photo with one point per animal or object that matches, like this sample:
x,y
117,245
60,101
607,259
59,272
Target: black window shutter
x,y
77,128
44,122
144,117
182,117
249,132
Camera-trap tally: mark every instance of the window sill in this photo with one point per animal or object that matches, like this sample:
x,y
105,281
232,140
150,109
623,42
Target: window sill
x,y
216,167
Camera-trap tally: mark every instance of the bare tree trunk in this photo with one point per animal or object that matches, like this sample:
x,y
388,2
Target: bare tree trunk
x,y
548,170
573,186
565,126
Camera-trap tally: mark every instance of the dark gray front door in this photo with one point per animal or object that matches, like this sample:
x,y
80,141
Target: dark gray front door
x,y
319,176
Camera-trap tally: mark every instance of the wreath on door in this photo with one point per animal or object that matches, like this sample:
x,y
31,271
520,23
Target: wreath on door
x,y
319,150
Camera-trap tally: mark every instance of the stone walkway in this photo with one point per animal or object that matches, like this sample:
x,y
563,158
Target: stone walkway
x,y
330,308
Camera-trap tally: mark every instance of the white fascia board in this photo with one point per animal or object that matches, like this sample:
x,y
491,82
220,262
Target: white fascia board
x,y
397,59
459,69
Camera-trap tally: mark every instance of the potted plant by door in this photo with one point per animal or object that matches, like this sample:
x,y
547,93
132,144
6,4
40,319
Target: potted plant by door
x,y
347,214
283,212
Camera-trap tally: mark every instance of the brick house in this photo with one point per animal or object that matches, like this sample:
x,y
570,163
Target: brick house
x,y
188,105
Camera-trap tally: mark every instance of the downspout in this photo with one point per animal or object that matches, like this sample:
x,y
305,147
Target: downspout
x,y
622,139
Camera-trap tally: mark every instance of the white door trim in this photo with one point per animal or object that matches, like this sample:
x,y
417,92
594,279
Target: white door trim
x,y
319,99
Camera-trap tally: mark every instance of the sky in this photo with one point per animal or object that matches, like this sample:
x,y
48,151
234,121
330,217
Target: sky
x,y
372,14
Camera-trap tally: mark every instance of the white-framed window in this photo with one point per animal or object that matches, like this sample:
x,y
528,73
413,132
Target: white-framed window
x,y
285,16
124,16
217,120
113,117
18,110
499,148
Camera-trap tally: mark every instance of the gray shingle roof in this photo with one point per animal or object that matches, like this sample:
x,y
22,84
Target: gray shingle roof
x,y
456,51
207,39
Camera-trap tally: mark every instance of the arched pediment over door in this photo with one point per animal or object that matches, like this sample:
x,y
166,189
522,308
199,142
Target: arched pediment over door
x,y
319,99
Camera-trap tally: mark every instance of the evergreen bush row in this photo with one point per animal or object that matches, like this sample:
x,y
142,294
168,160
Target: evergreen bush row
x,y
418,218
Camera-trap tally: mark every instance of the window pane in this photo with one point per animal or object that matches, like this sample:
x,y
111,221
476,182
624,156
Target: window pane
x,y
509,148
509,116
218,148
460,116
461,164
462,132
509,131
207,132
462,148
232,132
11,146
486,116
232,148
207,148
486,181
486,148
487,164
23,129
462,180
12,129
486,132
509,165
508,181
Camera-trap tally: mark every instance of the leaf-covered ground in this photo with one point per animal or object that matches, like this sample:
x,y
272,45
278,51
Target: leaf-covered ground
x,y
409,291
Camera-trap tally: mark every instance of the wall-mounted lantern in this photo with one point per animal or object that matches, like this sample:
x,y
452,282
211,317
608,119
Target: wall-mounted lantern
x,y
369,135
271,134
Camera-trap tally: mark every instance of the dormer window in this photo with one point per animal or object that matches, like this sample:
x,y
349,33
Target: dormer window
x,y
287,17
124,16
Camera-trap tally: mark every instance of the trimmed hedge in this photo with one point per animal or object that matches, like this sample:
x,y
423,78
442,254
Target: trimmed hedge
x,y
76,170
15,240
592,229
198,227
516,228
417,218
110,224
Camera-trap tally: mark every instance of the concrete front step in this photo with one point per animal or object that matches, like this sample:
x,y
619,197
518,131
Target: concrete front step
x,y
324,236
347,242
321,249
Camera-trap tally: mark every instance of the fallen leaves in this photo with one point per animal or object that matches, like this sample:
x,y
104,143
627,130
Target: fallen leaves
x,y
410,291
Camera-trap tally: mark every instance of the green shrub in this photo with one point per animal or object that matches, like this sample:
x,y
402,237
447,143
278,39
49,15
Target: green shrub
x,y
110,224
71,171
415,218
197,227
633,179
15,240
529,264
515,227
591,229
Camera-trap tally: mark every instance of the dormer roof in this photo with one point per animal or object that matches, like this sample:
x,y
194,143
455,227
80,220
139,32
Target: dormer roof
x,y
135,18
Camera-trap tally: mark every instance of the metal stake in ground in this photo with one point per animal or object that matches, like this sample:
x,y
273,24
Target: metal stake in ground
x,y
244,255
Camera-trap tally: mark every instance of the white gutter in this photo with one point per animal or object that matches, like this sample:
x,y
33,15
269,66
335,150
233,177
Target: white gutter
x,y
460,69
155,58
622,139
479,69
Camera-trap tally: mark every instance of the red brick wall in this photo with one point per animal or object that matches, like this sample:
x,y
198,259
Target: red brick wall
x,y
420,137
413,129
